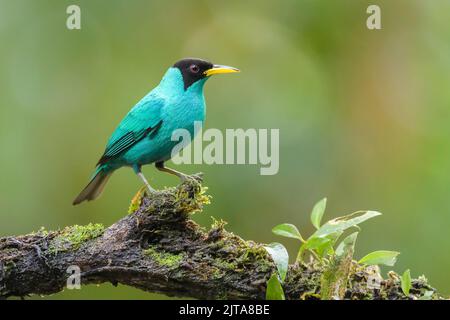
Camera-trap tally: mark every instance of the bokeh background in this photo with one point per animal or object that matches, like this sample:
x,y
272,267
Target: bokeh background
x,y
363,115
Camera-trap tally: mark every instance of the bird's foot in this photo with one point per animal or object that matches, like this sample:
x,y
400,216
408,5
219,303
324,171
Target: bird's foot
x,y
149,190
198,176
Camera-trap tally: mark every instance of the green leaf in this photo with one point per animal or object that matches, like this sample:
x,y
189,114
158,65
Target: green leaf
x,y
317,212
347,245
316,242
319,245
280,256
343,223
288,230
385,257
274,289
406,282
327,247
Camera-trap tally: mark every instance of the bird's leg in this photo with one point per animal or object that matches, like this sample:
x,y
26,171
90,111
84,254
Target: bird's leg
x,y
138,171
149,187
160,166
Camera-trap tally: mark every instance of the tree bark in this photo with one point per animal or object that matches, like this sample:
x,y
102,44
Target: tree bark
x,y
158,248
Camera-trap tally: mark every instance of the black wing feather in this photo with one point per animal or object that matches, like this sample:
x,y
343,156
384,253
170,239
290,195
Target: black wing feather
x,y
126,142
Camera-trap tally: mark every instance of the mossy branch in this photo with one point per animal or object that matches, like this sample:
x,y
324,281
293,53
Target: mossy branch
x,y
158,248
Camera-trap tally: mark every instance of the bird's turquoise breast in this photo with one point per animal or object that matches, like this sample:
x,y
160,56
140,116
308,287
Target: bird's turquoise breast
x,y
181,109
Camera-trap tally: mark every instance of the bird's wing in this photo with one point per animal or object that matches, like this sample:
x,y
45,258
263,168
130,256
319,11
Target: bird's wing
x,y
143,120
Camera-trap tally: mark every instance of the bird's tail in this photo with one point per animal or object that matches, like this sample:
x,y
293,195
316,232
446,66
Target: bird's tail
x,y
94,187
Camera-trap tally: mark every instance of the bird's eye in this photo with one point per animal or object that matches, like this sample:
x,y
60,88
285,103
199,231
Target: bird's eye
x,y
194,68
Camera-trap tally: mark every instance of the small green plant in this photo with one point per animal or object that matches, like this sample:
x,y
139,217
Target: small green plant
x,y
324,249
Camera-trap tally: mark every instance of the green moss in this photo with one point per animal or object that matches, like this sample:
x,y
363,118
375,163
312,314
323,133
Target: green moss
x,y
225,265
220,267
41,232
191,197
71,238
255,253
238,253
218,224
217,273
164,258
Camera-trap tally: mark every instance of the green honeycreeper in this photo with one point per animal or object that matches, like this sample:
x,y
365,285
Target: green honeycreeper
x,y
144,135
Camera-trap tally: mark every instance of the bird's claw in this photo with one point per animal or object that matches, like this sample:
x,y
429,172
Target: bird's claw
x,y
149,190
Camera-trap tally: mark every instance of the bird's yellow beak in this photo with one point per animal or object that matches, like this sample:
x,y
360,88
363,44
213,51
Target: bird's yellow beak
x,y
216,69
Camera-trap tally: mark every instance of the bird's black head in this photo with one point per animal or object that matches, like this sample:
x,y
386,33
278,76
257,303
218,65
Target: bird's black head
x,y
194,70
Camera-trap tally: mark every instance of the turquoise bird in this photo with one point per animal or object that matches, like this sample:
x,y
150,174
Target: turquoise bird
x,y
144,135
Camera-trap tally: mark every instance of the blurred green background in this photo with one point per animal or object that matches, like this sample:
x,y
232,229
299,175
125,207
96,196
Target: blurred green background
x,y
363,115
